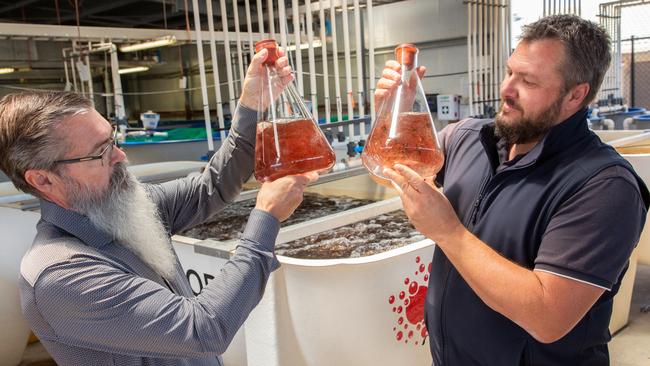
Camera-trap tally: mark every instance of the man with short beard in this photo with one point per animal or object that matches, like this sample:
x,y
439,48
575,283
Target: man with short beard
x,y
101,284
538,217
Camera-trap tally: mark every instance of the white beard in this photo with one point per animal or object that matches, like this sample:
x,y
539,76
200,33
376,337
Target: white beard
x,y
126,212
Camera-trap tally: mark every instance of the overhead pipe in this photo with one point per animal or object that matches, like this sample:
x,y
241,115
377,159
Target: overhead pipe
x,y
269,6
215,71
371,58
360,79
348,67
249,28
118,97
618,52
91,93
296,33
493,56
68,84
326,82
499,50
226,42
470,68
282,19
240,61
204,84
260,17
335,58
73,69
481,76
312,62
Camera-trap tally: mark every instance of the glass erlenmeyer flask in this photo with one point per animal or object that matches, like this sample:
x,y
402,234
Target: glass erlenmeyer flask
x,y
288,139
403,131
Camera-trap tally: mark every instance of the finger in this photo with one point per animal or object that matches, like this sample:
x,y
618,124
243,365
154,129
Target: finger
x,y
392,64
260,57
286,70
421,71
281,52
413,178
281,62
301,180
311,176
391,75
397,181
397,188
386,84
286,80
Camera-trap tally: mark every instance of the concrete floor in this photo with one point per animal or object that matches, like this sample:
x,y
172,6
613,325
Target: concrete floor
x,y
629,347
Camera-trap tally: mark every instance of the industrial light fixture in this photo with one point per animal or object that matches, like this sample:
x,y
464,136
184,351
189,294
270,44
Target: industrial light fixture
x,y
154,43
131,70
316,43
6,70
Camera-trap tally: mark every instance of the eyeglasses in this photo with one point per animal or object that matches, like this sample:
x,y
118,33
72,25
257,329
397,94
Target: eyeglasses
x,y
106,151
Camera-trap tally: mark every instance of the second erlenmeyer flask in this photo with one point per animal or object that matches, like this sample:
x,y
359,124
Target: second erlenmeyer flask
x,y
403,132
288,139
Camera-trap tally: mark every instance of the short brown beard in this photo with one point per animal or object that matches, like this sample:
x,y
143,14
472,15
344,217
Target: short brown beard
x,y
527,130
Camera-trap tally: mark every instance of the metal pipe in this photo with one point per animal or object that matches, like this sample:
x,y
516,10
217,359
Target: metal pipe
x,y
475,85
73,70
348,67
335,58
107,87
249,28
618,53
91,93
282,19
500,48
215,71
118,97
360,79
326,83
312,62
632,76
296,33
65,68
269,5
481,76
469,58
226,43
204,84
493,57
240,61
260,17
371,58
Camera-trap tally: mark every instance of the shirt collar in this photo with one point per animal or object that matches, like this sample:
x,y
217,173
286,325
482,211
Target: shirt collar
x,y
558,138
74,223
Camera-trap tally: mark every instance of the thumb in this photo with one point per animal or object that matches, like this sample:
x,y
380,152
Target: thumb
x,y
259,58
412,177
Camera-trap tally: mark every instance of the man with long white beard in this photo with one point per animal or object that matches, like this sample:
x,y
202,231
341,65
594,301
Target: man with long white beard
x,y
101,284
538,217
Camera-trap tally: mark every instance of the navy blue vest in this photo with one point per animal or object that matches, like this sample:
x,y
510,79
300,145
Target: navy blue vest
x,y
510,211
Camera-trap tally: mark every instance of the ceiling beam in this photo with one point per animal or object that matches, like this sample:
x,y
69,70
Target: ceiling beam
x,y
109,5
17,5
118,35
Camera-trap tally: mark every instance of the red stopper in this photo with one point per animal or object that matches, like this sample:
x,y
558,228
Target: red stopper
x,y
272,46
405,54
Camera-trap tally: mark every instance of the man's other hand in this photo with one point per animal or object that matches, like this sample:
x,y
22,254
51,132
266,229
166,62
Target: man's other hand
x,y
282,196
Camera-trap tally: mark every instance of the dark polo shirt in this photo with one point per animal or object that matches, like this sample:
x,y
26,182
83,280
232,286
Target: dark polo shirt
x,y
571,206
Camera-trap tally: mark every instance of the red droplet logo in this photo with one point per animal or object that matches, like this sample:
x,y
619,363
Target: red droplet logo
x,y
414,297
